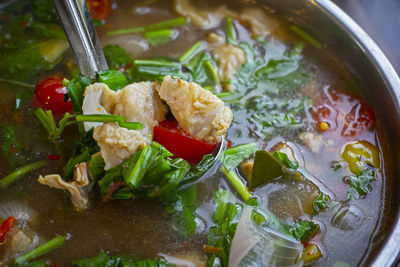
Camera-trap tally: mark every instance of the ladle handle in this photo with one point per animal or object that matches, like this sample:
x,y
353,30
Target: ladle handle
x,y
75,19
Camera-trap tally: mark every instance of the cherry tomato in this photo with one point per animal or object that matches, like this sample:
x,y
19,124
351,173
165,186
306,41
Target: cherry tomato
x,y
99,9
342,113
173,138
358,154
50,95
6,226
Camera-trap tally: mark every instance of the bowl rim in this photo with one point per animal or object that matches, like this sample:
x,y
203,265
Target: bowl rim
x,y
389,251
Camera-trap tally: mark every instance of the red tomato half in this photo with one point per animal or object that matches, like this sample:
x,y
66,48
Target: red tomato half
x,y
99,9
173,138
342,113
50,95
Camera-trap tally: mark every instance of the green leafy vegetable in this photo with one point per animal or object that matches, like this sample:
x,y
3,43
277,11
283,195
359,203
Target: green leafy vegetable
x,y
75,89
197,171
232,157
26,38
320,203
113,78
284,159
226,218
116,56
41,250
148,173
360,185
96,167
167,24
12,177
304,230
183,212
266,168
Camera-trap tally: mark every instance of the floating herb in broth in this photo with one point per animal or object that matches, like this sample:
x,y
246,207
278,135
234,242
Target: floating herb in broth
x,y
140,204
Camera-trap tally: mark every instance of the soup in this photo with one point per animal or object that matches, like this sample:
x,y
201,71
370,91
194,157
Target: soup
x,y
127,162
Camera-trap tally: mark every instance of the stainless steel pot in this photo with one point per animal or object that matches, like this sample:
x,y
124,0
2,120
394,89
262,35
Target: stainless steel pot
x,y
347,41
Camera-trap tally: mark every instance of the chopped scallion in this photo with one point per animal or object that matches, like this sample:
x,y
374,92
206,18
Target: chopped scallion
x,y
41,250
237,183
211,73
160,37
131,125
15,175
189,54
100,118
306,36
152,27
230,31
157,63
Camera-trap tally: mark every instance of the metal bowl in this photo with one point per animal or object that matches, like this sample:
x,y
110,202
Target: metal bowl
x,y
352,45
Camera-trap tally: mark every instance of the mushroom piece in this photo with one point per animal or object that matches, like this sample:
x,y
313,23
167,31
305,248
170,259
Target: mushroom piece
x,y
78,187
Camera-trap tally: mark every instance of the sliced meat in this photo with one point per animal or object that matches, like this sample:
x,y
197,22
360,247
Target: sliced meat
x,y
259,22
139,102
117,143
203,18
199,112
77,188
229,58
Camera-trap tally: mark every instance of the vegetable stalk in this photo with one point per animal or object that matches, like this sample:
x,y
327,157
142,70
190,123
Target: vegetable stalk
x,y
15,175
41,250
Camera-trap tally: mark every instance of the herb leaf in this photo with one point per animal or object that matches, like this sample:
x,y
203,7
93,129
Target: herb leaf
x,y
360,185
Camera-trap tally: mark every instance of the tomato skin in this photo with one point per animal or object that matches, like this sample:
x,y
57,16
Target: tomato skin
x,y
50,94
6,226
168,134
99,9
342,114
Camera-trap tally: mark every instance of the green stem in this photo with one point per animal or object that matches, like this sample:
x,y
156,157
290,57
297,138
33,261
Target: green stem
x,y
131,125
237,183
306,36
212,74
12,177
17,83
196,48
152,27
100,118
41,250
230,31
157,63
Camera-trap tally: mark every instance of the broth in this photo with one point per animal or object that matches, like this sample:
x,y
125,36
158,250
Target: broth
x,y
144,228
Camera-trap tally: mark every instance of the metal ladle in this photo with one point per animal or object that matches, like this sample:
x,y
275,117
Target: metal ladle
x,y
77,24
78,27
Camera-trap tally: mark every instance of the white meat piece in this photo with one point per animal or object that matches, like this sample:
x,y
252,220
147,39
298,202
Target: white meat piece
x,y
260,23
99,99
202,18
139,102
229,58
199,112
76,187
117,143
